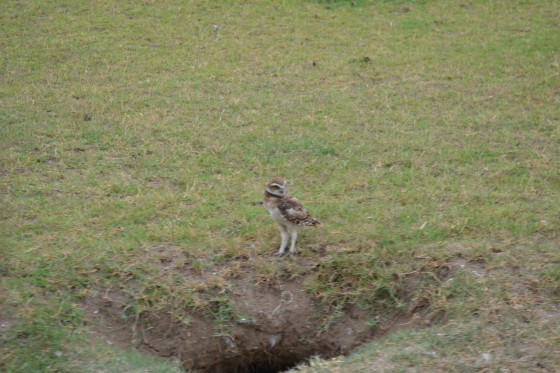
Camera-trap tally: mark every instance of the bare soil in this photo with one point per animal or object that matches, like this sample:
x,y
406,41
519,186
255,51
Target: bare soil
x,y
283,325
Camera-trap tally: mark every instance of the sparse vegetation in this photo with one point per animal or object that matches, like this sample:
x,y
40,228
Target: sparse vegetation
x,y
135,139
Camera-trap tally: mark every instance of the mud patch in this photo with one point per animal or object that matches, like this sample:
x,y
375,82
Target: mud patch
x,y
106,309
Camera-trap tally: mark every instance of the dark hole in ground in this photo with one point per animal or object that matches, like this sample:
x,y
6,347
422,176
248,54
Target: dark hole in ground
x,y
261,363
269,367
259,368
274,327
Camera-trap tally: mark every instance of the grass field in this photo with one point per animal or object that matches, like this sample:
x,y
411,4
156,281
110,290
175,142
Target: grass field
x,y
423,134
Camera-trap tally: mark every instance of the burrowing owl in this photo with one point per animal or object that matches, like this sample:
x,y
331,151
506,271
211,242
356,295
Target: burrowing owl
x,y
288,212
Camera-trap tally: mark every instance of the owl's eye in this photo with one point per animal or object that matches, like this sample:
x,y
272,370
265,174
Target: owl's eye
x,y
275,187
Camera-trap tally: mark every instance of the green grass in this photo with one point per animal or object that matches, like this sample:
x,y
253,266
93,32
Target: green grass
x,y
411,129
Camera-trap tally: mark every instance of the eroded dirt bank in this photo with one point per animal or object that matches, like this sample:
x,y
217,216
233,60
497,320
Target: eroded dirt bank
x,y
276,325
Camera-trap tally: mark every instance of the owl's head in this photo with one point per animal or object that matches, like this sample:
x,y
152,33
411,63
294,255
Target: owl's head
x,y
277,187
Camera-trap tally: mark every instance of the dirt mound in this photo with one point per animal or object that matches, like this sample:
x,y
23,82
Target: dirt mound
x,y
282,326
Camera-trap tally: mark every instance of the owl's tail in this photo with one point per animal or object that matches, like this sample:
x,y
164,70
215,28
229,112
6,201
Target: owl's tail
x,y
310,221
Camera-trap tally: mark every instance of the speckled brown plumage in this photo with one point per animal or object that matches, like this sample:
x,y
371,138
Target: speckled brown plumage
x,y
287,211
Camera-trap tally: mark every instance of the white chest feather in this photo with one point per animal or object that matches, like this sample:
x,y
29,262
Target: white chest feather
x,y
276,214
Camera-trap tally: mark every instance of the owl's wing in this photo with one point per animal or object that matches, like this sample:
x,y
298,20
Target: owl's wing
x,y
294,212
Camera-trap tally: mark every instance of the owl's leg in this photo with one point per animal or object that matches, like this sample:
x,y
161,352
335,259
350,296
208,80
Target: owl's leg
x,y
285,236
294,234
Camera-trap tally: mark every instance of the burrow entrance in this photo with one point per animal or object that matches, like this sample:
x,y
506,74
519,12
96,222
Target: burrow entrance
x,y
282,326
257,363
278,327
